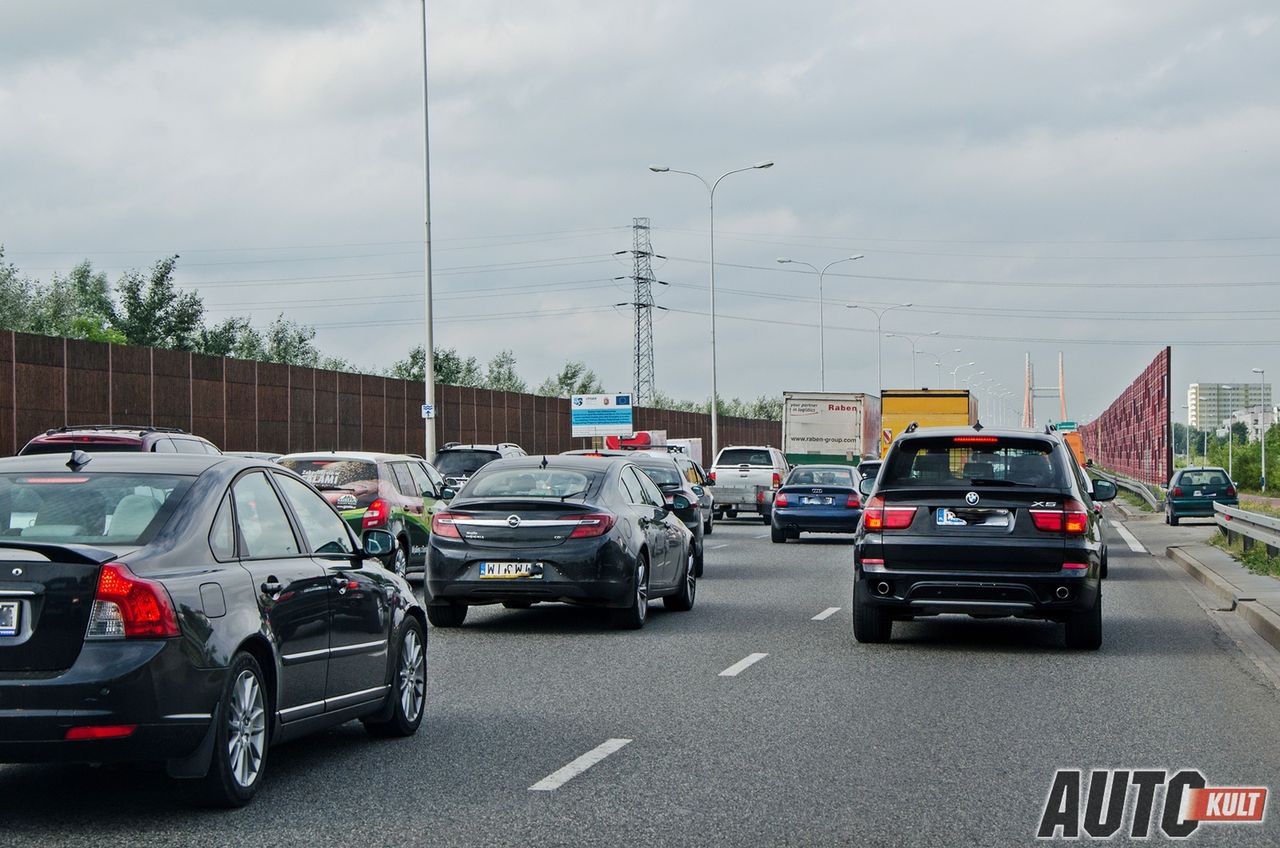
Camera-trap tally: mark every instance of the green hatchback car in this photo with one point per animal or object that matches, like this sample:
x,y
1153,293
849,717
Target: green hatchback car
x,y
1193,492
384,491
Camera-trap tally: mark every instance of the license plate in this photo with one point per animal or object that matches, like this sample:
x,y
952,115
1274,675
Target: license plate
x,y
9,618
511,570
947,518
816,501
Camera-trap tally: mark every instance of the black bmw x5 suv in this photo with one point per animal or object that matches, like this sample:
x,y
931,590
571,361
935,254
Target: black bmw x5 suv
x,y
984,523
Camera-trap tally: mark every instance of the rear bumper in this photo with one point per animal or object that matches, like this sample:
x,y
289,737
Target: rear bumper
x,y
597,573
150,684
818,520
1007,593
1199,508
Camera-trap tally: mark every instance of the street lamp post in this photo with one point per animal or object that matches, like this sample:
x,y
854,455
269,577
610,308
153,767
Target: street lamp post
x,y
1230,448
1262,420
957,368
428,342
912,340
822,324
711,246
879,313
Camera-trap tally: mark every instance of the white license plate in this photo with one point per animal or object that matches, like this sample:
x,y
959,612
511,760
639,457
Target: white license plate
x,y
9,617
816,501
511,570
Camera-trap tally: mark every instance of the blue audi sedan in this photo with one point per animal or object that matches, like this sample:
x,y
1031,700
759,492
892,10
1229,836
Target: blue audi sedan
x,y
816,499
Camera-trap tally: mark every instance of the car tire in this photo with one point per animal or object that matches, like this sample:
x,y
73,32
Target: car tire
x,y
446,615
871,624
709,525
730,513
777,535
1084,628
400,559
1102,572
699,559
242,726
408,695
682,600
633,616
1172,519
766,518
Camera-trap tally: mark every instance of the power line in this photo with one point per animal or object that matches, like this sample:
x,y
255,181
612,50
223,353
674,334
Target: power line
x,y
1200,240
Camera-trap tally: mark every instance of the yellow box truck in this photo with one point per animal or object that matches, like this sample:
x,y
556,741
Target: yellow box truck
x,y
927,408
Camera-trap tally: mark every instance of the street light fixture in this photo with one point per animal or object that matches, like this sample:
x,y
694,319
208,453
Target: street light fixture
x,y
879,313
957,368
937,361
912,340
711,244
822,324
1262,420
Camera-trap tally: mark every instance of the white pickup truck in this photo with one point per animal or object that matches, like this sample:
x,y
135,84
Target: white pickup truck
x,y
745,479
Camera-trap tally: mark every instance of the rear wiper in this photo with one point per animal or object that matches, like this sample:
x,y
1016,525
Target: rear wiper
x,y
572,495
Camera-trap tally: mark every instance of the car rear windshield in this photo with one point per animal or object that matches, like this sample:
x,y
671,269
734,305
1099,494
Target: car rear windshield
x,y
80,508
530,483
663,475
329,475
820,477
1204,478
744,456
973,461
83,443
463,463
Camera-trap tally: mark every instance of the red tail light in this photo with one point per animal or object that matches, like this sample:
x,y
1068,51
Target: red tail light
x,y
1072,519
129,607
780,500
712,478
877,516
444,524
853,502
101,731
376,515
1231,491
1177,491
1076,566
777,479
591,525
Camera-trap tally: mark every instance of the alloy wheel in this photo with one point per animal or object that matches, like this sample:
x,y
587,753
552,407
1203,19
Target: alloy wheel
x,y
642,589
413,676
246,729
401,562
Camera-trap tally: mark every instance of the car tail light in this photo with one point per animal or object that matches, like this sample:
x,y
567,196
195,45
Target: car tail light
x,y
376,515
1072,519
1177,491
975,440
129,607
877,516
712,477
777,479
445,524
780,500
1231,491
100,731
866,561
1076,566
853,502
591,525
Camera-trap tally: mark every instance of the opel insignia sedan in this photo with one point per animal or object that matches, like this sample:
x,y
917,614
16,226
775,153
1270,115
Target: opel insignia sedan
x,y
580,530
984,523
194,611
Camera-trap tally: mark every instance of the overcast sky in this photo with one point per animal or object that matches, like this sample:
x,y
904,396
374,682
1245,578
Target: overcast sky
x,y
1098,178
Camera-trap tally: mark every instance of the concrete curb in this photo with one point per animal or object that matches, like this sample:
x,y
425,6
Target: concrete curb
x,y
1261,609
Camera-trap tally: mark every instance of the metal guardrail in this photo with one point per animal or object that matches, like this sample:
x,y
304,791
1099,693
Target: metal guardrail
x,y
1134,486
1251,526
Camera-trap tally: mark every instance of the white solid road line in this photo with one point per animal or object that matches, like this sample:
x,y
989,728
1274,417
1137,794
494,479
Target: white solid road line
x,y
562,776
1129,538
742,664
725,545
825,614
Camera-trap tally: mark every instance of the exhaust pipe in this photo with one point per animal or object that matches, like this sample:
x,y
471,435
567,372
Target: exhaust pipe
x,y
882,587
1062,592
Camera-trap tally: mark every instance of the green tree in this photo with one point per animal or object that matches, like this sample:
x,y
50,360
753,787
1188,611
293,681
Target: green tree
x,y
450,368
501,374
291,343
15,296
151,311
575,378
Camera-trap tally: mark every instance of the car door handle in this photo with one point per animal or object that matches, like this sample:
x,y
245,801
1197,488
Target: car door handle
x,y
271,586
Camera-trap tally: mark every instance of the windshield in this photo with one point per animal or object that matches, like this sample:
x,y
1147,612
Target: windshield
x,y
463,463
973,460
820,477
102,509
744,456
333,474
530,483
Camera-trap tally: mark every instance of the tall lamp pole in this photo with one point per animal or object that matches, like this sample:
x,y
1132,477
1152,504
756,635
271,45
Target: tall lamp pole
x,y
711,245
428,343
1262,420
822,324
1230,447
956,369
912,341
879,313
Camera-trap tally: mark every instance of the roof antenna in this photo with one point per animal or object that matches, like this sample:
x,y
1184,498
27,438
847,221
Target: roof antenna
x,y
79,459
543,465
977,425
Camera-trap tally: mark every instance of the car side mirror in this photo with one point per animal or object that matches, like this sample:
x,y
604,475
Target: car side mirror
x,y
866,486
377,543
697,490
1104,490
679,503
448,493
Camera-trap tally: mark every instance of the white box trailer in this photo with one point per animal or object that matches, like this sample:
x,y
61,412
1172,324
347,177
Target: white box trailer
x,y
829,427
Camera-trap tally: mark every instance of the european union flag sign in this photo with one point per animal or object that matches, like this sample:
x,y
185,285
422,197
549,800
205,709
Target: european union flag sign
x,y
601,415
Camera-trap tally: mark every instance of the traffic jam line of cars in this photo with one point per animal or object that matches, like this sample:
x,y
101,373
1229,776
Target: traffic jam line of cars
x,y
162,601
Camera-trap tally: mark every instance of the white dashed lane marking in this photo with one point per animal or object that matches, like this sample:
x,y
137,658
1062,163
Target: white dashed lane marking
x,y
562,776
742,665
825,614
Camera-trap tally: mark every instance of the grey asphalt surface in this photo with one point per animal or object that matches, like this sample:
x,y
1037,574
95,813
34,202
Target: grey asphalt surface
x,y
949,735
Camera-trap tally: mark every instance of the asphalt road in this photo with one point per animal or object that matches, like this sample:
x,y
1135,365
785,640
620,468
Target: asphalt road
x,y
949,735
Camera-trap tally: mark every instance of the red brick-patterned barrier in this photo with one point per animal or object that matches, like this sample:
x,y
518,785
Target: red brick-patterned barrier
x,y
241,405
1135,436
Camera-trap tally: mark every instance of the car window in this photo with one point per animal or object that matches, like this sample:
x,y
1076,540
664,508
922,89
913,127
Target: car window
x,y
532,482
744,456
1209,478
264,526
649,490
210,448
88,508
404,479
326,532
421,482
661,473
631,492
222,538
820,477
346,478
188,446
463,462
973,460
163,446
436,478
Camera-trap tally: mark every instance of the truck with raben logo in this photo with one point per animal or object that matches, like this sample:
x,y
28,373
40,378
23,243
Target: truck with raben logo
x,y
925,408
829,427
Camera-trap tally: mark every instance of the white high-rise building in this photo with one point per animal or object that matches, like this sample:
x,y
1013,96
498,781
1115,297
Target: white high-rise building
x,y
1209,404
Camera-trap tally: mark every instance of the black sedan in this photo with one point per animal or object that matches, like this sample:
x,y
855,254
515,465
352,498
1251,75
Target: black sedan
x,y
562,528
192,610
816,499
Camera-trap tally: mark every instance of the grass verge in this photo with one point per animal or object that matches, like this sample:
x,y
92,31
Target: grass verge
x,y
1134,500
1255,559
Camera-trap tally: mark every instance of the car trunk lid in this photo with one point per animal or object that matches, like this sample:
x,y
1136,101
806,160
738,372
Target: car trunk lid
x,y
517,523
46,596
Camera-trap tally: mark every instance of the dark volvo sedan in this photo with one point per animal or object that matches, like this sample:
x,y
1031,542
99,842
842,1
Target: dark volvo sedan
x,y
983,523
192,610
561,528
